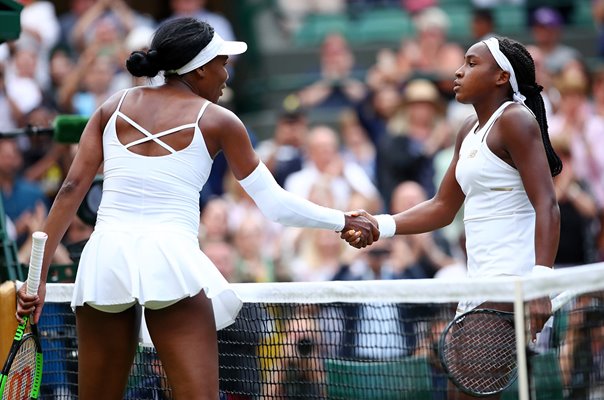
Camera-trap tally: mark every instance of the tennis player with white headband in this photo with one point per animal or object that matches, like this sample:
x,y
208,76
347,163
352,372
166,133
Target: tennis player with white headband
x,y
503,62
502,169
157,145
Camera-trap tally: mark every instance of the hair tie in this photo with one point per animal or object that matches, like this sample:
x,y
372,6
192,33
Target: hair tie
x,y
151,55
531,90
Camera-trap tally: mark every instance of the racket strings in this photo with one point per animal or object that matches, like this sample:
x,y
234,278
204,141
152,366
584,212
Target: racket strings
x,y
480,353
21,374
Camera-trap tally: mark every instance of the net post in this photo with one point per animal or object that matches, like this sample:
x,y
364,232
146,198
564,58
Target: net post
x,y
519,322
8,322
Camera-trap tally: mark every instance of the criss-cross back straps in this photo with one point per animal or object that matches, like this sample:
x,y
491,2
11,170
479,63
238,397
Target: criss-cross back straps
x,y
156,137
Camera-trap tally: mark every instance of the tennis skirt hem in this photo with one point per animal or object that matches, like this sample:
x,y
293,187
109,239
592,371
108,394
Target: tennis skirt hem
x,y
123,267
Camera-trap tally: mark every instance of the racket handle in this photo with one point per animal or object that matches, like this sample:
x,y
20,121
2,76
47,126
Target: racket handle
x,y
38,243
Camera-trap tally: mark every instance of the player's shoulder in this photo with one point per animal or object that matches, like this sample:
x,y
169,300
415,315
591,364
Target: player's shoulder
x,y
517,119
466,126
110,104
219,118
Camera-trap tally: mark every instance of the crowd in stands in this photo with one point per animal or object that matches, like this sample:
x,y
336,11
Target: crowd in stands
x,y
396,123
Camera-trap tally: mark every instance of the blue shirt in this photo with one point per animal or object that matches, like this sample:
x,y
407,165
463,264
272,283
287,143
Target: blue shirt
x,y
24,197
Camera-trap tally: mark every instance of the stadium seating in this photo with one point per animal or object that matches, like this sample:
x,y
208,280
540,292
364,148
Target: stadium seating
x,y
367,380
546,378
317,26
382,25
509,19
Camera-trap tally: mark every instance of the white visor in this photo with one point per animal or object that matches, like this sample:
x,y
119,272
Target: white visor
x,y
217,47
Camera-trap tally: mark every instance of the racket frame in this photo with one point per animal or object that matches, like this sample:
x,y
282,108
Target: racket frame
x,y
506,315
19,339
33,280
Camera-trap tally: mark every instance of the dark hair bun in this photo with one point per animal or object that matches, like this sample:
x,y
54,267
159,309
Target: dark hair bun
x,y
142,63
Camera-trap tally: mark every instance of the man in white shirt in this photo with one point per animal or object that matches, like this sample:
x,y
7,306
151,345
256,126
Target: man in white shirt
x,y
325,164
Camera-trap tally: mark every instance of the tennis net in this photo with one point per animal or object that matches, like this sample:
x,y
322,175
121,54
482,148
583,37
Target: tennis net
x,y
364,340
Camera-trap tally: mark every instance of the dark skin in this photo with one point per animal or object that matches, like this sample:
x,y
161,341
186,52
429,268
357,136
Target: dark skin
x,y
107,341
516,139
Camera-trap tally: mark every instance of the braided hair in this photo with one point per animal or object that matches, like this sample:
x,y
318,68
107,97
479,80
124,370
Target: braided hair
x,y
524,68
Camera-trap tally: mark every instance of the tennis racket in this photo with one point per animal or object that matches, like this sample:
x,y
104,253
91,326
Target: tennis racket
x,y
22,372
478,349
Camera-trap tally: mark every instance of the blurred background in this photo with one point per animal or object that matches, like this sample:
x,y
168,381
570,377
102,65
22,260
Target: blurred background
x,y
348,102
286,36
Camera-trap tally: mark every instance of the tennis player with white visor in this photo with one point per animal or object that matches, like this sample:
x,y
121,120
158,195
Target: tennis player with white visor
x,y
156,146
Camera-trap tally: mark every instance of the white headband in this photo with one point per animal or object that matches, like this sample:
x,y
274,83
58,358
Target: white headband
x,y
503,62
217,47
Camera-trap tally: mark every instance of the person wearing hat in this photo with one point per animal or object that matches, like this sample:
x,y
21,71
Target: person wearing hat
x,y
578,212
547,27
156,146
415,133
283,154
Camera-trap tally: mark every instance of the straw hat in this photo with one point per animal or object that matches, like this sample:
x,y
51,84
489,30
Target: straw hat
x,y
571,81
422,90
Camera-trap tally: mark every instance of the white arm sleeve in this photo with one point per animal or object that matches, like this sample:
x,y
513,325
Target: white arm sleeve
x,y
286,208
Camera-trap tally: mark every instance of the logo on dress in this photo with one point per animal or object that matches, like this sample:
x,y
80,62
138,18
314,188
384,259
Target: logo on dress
x,y
472,154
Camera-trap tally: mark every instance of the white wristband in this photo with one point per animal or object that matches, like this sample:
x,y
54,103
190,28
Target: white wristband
x,y
386,225
540,270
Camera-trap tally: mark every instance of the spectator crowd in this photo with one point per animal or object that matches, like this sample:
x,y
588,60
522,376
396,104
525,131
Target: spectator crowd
x,y
392,139
388,148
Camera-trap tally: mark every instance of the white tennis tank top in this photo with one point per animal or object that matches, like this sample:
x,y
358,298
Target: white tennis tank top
x,y
499,219
139,191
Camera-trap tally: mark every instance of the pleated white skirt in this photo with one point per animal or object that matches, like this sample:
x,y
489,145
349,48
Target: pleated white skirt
x,y
122,266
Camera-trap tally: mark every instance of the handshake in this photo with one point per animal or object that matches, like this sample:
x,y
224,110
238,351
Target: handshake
x,y
361,229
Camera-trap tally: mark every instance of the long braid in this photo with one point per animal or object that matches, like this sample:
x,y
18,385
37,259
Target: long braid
x,y
524,68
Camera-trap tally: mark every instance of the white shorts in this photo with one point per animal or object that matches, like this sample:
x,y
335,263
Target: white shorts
x,y
118,308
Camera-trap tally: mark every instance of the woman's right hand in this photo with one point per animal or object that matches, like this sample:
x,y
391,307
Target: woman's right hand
x,y
360,229
30,305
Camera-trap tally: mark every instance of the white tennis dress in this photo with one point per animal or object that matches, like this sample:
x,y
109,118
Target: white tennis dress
x,y
499,219
144,247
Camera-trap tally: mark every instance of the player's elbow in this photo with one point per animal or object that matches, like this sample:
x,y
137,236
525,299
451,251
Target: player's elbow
x,y
554,212
550,210
443,214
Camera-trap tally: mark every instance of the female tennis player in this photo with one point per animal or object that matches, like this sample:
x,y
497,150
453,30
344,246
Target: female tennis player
x,y
156,146
502,168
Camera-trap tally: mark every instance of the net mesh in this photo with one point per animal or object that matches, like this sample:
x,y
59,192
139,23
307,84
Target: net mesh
x,y
362,340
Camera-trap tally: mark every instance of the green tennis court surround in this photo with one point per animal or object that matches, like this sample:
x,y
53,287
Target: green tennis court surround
x,y
10,23
405,379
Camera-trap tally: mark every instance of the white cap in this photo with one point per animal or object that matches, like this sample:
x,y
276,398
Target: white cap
x,y
217,47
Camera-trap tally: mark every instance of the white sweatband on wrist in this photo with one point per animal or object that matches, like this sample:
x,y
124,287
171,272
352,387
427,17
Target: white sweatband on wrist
x,y
283,207
386,225
540,270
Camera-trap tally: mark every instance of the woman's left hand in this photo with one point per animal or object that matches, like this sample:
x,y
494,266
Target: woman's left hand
x,y
30,305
